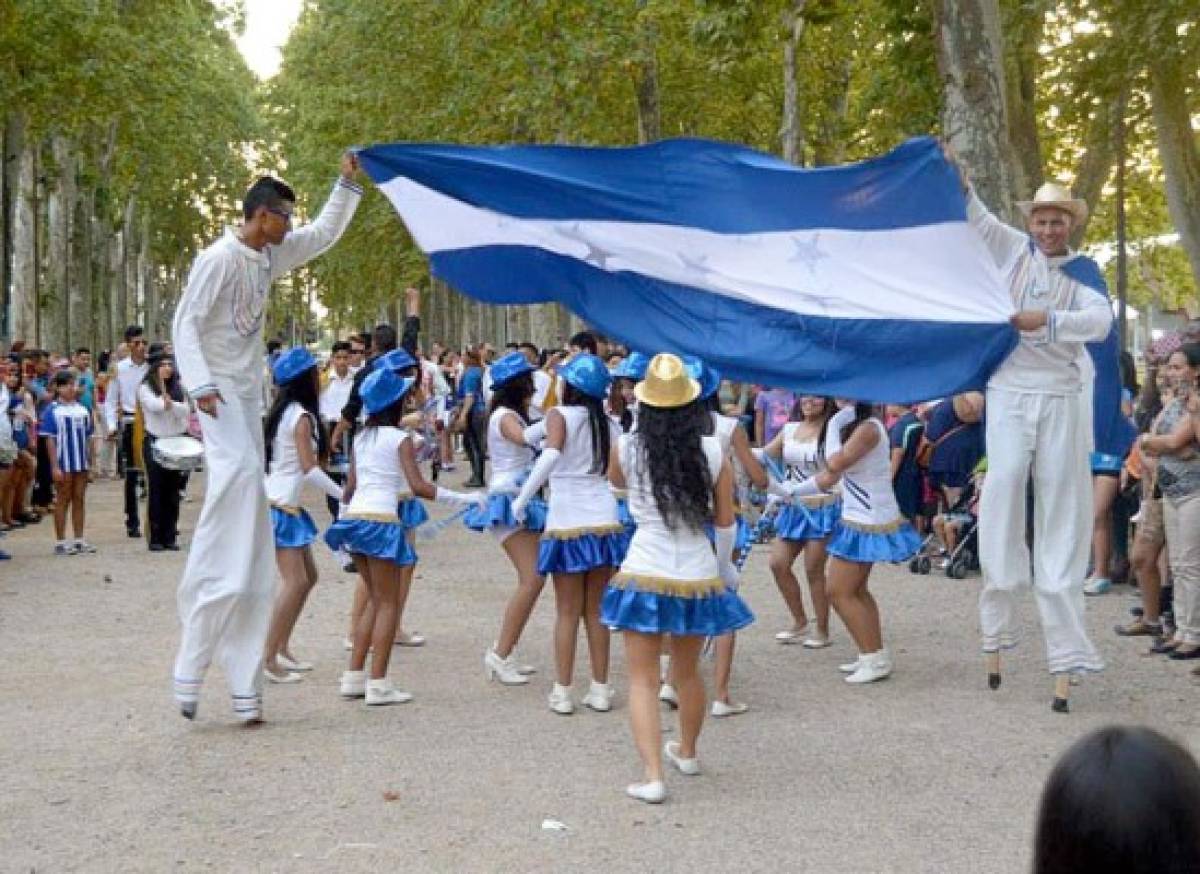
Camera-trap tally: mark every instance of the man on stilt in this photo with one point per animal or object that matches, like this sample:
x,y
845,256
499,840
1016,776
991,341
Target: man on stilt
x,y
226,591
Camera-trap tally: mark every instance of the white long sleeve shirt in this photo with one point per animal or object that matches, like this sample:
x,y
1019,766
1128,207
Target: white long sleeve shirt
x,y
218,323
1048,360
121,400
335,394
161,420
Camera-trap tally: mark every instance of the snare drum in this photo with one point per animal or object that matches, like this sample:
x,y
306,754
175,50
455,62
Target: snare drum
x,y
181,453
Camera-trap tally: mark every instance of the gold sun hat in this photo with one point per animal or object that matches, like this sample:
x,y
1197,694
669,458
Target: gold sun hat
x,y
1054,196
667,383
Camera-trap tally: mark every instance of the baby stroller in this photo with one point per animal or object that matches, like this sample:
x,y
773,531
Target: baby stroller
x,y
963,558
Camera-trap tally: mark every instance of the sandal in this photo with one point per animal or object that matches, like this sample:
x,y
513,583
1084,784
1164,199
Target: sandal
x,y
1163,646
1139,628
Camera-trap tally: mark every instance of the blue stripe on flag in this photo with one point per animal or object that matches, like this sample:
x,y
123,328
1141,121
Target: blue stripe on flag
x,y
884,360
695,183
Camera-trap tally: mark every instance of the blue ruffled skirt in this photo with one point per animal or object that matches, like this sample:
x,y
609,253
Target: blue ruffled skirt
x,y
577,555
854,543
385,540
498,514
625,517
412,513
800,523
293,532
708,612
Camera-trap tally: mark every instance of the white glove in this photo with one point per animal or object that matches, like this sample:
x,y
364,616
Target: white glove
x,y
319,478
725,539
460,499
791,491
535,434
542,468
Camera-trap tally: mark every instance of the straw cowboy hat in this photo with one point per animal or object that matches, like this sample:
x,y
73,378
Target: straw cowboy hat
x,y
1057,197
667,383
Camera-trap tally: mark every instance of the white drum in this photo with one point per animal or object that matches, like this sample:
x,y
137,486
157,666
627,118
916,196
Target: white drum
x,y
182,453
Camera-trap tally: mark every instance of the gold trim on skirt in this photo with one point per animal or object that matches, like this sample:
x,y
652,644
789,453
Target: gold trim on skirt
x,y
668,586
286,508
883,528
819,501
572,533
387,518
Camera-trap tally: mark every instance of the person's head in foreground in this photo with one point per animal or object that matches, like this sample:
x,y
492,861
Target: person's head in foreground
x,y
1052,216
1122,799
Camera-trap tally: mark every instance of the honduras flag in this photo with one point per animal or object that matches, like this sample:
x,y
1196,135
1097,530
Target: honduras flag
x,y
863,281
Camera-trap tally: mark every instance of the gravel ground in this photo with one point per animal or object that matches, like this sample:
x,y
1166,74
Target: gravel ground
x,y
928,771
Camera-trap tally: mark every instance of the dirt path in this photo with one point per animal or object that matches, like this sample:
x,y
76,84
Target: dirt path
x,y
926,772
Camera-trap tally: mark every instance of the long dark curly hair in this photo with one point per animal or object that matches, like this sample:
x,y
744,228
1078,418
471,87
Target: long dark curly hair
x,y
670,452
862,412
598,424
514,395
304,391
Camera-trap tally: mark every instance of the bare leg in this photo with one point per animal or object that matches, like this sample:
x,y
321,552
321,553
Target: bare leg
x,y
1104,492
723,648
1145,565
311,575
783,556
690,686
597,632
568,608
364,618
289,602
62,498
79,484
815,559
358,606
855,606
385,585
522,551
641,655
405,587
993,670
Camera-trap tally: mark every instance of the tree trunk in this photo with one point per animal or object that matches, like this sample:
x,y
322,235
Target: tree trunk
x,y
127,291
974,117
81,324
829,146
24,305
1096,165
646,81
60,209
5,233
1024,26
791,133
1169,79
146,297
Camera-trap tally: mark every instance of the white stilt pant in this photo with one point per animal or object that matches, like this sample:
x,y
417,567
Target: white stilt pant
x,y
228,585
1042,433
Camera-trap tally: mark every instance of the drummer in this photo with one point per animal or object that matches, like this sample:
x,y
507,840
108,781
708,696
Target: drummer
x,y
163,407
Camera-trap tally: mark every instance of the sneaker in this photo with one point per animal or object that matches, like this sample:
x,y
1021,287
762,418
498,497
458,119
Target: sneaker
x,y
380,693
688,767
64,549
851,667
796,634
816,640
599,697
651,793
83,547
560,700
1098,586
502,669
353,684
667,695
721,708
872,667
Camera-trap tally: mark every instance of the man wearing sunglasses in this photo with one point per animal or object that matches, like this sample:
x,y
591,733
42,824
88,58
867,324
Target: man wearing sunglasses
x,y
225,595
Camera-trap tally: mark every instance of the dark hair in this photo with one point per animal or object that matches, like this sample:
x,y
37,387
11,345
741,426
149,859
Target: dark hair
x,y
670,451
274,344
83,350
133,331
828,408
1149,402
388,417
363,337
513,395
173,387
339,346
532,347
266,192
1122,798
1190,351
383,339
63,377
303,391
598,423
585,340
862,412
103,361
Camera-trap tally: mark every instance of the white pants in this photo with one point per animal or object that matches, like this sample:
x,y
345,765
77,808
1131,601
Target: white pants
x,y
228,585
1045,433
1181,519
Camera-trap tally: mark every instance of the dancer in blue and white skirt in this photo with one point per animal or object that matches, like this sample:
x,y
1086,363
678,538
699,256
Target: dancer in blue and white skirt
x,y
583,542
383,470
871,529
626,375
804,525
672,581
295,445
512,460
735,448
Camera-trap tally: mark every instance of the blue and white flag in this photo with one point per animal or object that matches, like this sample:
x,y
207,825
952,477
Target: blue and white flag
x,y
863,281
